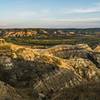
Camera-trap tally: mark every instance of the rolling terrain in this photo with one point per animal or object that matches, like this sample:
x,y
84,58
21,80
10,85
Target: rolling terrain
x,y
62,72
44,38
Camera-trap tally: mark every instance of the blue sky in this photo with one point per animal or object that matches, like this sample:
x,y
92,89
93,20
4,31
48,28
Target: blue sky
x,y
50,13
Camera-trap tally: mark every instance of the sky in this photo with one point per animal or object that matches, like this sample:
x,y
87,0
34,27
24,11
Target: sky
x,y
49,13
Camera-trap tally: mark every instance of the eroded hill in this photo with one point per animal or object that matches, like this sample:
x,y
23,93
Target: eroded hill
x,y
49,73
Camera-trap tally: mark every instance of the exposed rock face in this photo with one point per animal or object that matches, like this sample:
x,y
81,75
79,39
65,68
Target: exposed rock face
x,y
20,34
69,51
97,54
8,93
97,49
6,62
36,71
88,91
2,41
85,68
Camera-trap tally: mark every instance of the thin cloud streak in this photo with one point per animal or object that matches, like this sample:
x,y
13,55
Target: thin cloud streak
x,y
56,24
94,9
51,15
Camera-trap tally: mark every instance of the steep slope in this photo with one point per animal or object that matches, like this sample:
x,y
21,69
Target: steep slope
x,y
36,71
69,51
97,49
88,91
22,33
97,54
8,93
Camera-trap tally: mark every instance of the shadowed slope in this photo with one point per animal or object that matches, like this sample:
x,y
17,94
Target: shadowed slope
x,y
34,71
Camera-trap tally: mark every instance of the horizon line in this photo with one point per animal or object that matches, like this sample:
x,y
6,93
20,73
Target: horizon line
x,y
48,28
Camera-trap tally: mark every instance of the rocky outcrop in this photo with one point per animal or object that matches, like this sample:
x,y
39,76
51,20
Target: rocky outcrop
x,y
86,69
97,49
20,34
69,51
97,54
2,41
8,93
45,71
88,91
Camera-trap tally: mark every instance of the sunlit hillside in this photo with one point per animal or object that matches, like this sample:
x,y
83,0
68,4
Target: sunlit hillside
x,y
53,73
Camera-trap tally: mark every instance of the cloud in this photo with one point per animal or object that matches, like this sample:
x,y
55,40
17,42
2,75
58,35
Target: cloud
x,y
51,18
69,20
57,23
26,14
87,10
82,10
94,9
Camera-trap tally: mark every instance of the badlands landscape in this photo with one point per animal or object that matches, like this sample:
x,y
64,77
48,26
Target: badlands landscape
x,y
49,70
49,49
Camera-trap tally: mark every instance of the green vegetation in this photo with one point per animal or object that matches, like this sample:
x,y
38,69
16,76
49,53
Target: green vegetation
x,y
50,37
91,40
